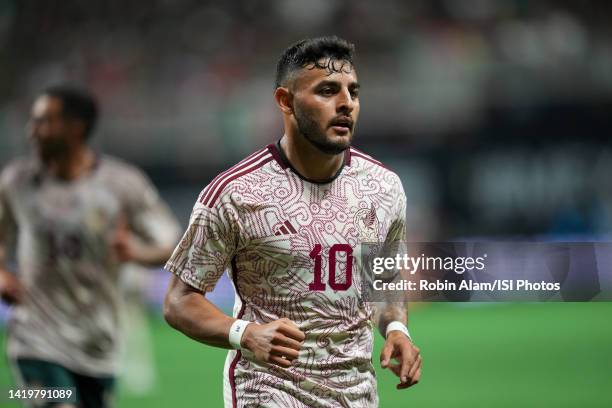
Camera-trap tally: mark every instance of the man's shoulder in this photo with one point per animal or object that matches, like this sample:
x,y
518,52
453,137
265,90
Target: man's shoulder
x,y
122,172
225,183
124,178
373,167
19,171
118,166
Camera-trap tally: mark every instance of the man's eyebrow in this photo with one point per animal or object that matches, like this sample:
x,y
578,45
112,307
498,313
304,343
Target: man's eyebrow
x,y
328,82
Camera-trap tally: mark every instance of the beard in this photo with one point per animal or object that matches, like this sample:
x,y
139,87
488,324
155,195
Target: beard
x,y
51,149
315,134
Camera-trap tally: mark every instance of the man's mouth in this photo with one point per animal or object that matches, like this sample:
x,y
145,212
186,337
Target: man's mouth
x,y
342,125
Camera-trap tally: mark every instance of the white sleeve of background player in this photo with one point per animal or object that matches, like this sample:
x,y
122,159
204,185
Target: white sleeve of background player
x,y
208,245
148,216
7,220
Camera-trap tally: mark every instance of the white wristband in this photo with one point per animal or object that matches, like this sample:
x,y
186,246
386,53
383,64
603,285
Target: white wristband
x,y
236,331
397,325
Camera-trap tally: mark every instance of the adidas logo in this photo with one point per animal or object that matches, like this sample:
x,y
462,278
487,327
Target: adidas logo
x,y
285,229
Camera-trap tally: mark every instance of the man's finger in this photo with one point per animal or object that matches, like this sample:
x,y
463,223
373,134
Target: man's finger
x,y
412,382
417,377
279,361
288,321
282,340
292,332
280,351
413,378
416,366
385,355
407,362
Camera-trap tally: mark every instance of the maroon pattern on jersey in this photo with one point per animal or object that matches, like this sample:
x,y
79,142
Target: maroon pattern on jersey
x,y
294,251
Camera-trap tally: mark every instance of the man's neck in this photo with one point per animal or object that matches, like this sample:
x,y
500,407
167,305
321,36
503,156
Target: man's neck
x,y
308,160
73,164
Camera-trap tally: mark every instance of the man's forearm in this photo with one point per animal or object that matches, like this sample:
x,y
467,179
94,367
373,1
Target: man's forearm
x,y
3,269
192,314
2,254
277,342
150,255
11,289
391,311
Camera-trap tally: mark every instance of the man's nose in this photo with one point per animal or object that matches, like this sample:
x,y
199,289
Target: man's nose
x,y
346,103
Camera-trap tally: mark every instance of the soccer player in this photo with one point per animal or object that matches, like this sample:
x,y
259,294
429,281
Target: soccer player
x,y
74,216
288,222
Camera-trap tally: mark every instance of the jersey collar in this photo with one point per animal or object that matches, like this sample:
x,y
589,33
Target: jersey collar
x,y
281,159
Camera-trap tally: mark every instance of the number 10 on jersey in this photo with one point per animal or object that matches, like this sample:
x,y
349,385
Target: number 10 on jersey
x,y
333,251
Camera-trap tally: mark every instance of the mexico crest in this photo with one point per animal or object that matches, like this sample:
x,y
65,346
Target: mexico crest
x,y
367,223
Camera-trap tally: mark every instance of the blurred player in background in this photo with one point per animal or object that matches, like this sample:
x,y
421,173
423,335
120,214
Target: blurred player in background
x,y
74,217
288,222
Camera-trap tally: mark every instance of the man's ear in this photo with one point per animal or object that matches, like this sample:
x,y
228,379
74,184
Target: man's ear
x,y
284,100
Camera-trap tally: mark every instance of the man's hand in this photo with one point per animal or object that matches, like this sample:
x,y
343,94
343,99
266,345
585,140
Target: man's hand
x,y
11,290
399,347
122,244
277,342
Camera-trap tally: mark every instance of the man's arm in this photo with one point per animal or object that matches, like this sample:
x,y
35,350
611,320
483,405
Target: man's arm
x,y
11,289
129,248
198,262
146,232
391,312
146,255
188,311
398,346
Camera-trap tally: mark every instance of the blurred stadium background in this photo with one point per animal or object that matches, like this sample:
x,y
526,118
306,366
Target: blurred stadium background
x,y
497,115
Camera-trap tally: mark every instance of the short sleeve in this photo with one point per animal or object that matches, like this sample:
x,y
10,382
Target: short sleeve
x,y
397,230
395,242
7,219
208,245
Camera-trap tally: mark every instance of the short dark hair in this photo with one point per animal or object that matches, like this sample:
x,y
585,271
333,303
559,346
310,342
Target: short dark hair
x,y
309,52
77,103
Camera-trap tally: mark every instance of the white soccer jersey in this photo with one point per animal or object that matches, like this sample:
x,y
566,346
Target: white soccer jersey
x,y
63,231
291,247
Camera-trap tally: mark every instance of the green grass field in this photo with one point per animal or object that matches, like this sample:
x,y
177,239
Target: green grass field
x,y
495,355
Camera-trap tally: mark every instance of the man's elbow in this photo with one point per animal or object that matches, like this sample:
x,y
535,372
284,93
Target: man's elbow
x,y
170,310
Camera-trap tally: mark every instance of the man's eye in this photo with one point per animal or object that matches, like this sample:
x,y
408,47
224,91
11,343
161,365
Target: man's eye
x,y
355,93
327,91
